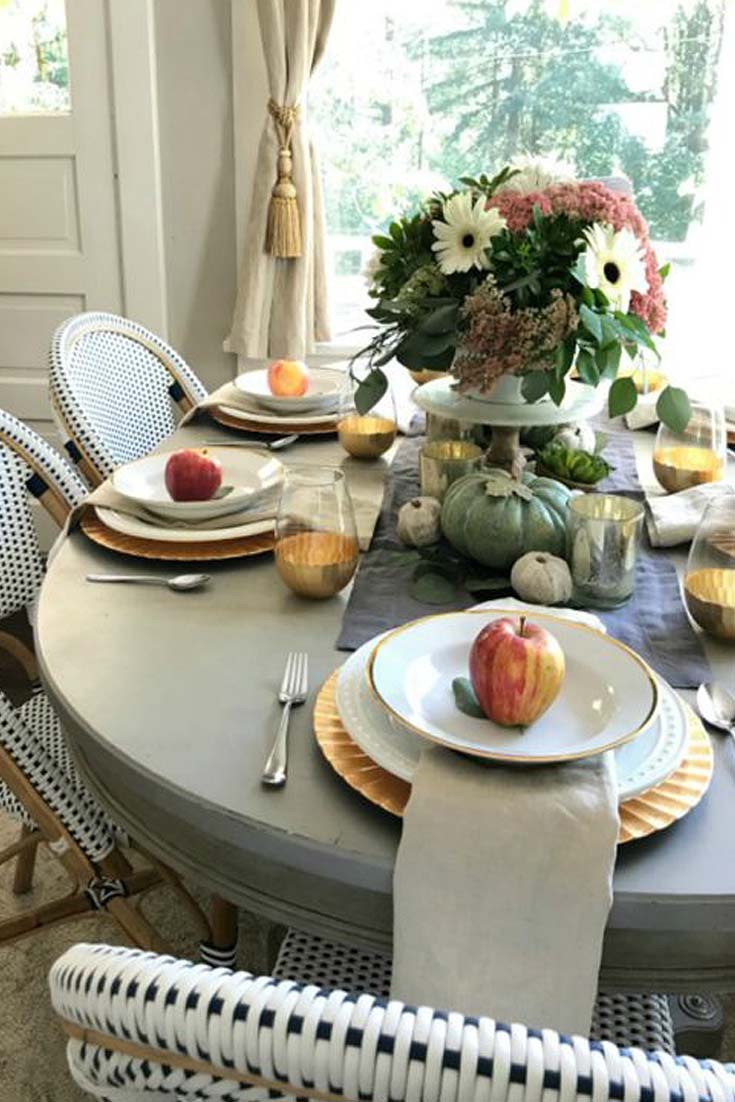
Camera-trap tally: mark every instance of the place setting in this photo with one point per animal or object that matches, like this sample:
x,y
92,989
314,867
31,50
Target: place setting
x,y
192,504
288,397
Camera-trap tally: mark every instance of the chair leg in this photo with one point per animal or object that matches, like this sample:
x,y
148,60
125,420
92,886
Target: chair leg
x,y
21,653
221,951
25,862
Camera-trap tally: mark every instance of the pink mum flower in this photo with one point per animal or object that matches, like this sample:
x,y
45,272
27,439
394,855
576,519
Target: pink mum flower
x,y
592,201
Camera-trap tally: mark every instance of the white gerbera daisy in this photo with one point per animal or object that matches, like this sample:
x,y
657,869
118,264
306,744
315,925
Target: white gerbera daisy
x,y
372,265
464,232
613,262
537,173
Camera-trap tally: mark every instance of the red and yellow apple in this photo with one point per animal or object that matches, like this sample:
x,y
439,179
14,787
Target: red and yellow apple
x,y
516,669
192,475
288,378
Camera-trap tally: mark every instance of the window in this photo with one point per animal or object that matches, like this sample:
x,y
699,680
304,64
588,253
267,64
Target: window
x,y
34,64
412,95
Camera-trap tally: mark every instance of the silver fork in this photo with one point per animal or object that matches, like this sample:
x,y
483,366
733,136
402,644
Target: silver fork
x,y
292,692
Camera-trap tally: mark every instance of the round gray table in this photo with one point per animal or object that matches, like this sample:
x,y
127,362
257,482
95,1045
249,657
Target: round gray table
x,y
169,702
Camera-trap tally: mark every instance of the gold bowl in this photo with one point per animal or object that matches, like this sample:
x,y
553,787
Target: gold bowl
x,y
710,597
366,437
680,468
316,564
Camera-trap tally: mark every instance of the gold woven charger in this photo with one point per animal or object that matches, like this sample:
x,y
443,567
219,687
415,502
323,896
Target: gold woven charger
x,y
653,810
204,551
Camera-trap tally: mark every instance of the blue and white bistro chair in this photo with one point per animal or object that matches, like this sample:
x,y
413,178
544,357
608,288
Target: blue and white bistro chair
x,y
40,785
142,1026
113,387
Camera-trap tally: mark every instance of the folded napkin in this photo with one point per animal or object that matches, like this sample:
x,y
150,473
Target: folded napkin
x,y
502,887
674,518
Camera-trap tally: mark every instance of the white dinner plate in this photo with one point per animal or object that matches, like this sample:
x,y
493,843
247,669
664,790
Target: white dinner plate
x,y
323,393
256,415
608,695
640,764
251,474
131,526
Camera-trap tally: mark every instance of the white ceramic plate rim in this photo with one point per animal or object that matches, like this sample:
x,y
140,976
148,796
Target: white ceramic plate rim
x,y
394,748
237,468
380,669
131,526
257,415
254,384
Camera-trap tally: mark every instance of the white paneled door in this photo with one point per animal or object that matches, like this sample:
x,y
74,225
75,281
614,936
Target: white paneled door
x,y
59,250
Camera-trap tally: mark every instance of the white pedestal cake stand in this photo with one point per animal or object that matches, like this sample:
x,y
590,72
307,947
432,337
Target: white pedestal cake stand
x,y
508,418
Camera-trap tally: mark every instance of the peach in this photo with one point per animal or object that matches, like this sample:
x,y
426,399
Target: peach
x,y
288,378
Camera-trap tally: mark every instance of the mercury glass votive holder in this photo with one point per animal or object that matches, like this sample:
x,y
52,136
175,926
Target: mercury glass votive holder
x,y
442,462
695,455
709,580
603,534
316,535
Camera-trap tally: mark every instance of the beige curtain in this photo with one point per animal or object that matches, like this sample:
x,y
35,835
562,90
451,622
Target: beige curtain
x,y
281,307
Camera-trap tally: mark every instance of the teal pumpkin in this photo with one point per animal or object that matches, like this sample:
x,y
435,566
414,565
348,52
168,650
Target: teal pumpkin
x,y
494,519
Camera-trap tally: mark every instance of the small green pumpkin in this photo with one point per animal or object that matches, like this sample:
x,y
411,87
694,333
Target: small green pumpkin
x,y
494,519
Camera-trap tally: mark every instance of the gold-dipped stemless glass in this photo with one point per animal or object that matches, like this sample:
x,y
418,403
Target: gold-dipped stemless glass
x,y
695,455
367,435
316,534
709,581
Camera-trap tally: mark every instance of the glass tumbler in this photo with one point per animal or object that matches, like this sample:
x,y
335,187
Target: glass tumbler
x,y
316,536
709,581
695,455
603,533
367,435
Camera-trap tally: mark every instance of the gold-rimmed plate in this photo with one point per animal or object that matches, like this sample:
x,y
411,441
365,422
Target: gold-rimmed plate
x,y
655,809
165,551
608,696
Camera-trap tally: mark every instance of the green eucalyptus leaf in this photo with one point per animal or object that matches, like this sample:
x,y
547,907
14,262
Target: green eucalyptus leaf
x,y
557,390
535,385
383,242
465,699
432,588
370,391
674,408
622,397
587,368
591,322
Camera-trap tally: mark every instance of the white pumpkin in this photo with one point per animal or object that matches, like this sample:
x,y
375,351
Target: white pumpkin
x,y
418,521
541,578
579,437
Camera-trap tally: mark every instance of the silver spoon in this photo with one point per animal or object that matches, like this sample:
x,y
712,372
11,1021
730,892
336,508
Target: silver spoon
x,y
182,583
717,706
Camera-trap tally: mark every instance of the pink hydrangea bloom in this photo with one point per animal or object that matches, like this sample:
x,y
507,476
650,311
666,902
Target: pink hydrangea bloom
x,y
592,201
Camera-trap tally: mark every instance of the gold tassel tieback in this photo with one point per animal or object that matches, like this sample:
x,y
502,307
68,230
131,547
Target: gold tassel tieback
x,y
283,230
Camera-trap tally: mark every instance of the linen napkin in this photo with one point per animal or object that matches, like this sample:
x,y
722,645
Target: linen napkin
x,y
672,519
502,887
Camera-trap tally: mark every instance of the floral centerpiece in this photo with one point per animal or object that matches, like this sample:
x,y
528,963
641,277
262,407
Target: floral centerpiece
x,y
524,274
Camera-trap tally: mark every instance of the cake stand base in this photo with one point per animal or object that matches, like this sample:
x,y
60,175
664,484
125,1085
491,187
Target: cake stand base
x,y
508,418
